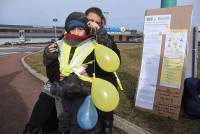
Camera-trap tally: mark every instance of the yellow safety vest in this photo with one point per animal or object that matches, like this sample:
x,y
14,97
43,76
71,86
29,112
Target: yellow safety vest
x,y
80,54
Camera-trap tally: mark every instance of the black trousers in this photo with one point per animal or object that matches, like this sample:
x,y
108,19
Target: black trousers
x,y
67,119
44,114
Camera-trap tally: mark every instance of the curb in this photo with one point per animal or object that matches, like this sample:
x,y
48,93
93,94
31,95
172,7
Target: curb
x,y
32,71
119,122
127,126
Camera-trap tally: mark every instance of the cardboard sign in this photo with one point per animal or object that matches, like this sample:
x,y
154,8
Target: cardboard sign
x,y
163,66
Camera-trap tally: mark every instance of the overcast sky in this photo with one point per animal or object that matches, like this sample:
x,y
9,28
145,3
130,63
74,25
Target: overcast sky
x,y
128,13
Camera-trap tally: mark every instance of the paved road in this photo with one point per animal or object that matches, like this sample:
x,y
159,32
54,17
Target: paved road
x,y
18,93
20,49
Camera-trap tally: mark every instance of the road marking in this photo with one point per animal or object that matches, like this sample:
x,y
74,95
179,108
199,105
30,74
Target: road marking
x,y
21,47
7,53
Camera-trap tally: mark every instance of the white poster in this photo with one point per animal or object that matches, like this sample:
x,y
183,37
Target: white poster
x,y
154,27
157,23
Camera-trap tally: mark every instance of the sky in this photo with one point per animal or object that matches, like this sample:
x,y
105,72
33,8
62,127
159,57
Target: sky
x,y
128,13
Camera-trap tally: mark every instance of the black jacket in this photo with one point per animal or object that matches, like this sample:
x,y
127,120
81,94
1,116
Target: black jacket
x,y
52,67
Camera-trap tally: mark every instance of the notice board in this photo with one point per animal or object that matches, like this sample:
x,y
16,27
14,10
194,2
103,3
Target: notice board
x,y
166,43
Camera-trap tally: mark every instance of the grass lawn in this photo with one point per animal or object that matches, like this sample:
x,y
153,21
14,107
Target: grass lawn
x,y
128,73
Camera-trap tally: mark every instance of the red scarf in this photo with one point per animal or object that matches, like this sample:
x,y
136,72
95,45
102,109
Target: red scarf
x,y
73,36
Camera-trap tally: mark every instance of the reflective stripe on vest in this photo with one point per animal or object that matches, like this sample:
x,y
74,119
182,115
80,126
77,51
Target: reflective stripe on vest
x,y
77,60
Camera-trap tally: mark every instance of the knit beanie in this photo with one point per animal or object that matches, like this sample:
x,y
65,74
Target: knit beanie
x,y
76,19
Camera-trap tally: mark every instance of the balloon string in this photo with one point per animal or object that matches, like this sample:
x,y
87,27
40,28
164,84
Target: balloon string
x,y
95,33
94,67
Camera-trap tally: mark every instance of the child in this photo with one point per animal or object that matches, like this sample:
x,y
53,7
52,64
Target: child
x,y
72,90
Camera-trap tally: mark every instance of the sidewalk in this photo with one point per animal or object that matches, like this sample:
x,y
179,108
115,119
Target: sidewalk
x,y
19,91
119,122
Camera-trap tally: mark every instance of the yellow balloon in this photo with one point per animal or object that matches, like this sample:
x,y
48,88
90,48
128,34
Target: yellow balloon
x,y
104,95
107,59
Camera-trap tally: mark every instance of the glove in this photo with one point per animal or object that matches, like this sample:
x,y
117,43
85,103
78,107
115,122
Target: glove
x,y
70,86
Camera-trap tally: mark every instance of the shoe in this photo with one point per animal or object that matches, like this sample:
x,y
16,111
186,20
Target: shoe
x,y
106,126
66,132
107,130
31,130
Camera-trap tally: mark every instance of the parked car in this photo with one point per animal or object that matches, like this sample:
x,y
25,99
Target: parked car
x,y
7,43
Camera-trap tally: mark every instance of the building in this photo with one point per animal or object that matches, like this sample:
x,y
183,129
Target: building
x,y
31,34
123,35
127,37
34,34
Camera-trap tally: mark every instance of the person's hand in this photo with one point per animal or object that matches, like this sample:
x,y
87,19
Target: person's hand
x,y
93,25
52,48
61,77
83,72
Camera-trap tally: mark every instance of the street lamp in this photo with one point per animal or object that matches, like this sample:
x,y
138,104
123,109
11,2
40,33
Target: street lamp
x,y
55,20
106,15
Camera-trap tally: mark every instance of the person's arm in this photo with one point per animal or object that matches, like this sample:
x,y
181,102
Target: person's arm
x,y
102,37
70,86
50,55
50,60
105,39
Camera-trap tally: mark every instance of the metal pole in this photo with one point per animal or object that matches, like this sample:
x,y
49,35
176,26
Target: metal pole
x,y
168,3
55,33
106,16
55,20
194,52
